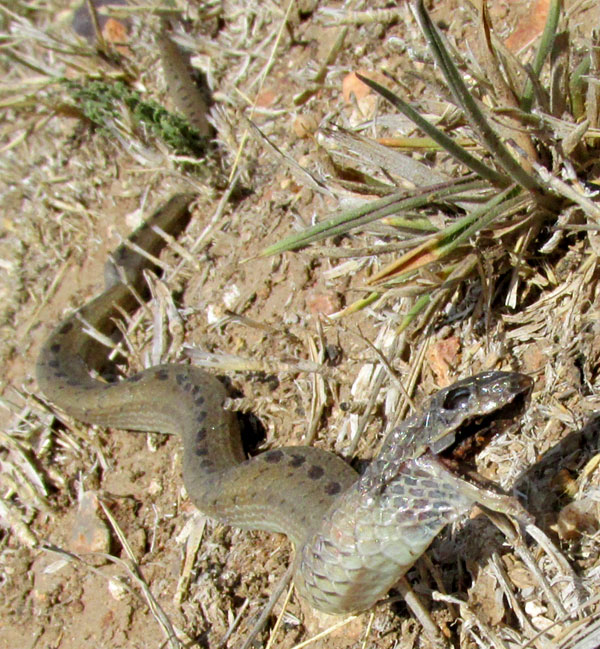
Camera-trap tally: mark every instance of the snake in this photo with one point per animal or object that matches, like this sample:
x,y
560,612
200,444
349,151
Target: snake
x,y
354,535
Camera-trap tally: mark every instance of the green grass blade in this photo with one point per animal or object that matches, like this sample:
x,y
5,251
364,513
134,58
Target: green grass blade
x,y
546,43
347,220
576,88
455,150
358,305
443,243
468,104
414,311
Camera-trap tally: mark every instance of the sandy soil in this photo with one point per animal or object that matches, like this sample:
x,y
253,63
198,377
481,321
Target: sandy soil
x,y
68,193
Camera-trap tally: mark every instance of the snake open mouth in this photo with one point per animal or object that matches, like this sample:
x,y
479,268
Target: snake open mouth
x,y
476,433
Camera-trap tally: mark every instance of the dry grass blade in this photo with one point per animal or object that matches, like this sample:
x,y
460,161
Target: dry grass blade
x,y
304,176
448,240
135,572
446,142
162,619
365,150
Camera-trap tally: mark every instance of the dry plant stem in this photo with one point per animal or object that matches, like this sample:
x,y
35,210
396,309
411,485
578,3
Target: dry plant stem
x,y
557,557
368,630
421,613
411,383
191,549
280,617
318,396
161,617
434,570
263,76
582,633
151,602
300,173
562,188
321,74
48,294
280,587
367,414
341,17
234,623
515,605
506,526
391,372
325,633
214,220
377,383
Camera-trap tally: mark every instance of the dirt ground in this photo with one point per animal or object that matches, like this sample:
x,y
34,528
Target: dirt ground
x,y
100,544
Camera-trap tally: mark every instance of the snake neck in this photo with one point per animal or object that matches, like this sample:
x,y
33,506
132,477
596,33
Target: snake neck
x,y
357,556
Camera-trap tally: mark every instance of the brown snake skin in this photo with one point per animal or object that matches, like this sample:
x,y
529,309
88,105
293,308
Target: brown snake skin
x,y
354,536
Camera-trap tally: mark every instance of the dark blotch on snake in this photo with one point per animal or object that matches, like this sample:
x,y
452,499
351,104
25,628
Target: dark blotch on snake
x,y
55,348
297,460
135,378
161,375
201,416
315,472
53,363
200,451
201,435
180,378
333,488
273,457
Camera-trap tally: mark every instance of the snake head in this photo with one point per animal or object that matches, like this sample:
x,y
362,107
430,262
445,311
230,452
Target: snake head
x,y
454,425
466,413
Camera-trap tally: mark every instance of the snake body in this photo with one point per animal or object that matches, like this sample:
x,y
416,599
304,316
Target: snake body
x,y
354,536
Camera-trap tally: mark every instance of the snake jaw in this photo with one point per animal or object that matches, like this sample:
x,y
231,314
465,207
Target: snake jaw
x,y
466,415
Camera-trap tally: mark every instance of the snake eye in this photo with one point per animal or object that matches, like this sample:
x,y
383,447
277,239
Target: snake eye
x,y
456,399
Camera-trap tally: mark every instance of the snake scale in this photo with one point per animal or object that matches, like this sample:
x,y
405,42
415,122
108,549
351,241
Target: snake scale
x,y
354,536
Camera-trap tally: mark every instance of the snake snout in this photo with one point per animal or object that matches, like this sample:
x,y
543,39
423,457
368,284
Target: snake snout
x,y
477,409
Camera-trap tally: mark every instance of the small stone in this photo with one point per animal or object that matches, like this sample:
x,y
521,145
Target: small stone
x,y
89,533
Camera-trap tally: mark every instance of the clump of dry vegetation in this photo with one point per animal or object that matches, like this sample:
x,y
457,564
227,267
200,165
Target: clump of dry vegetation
x,y
528,142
